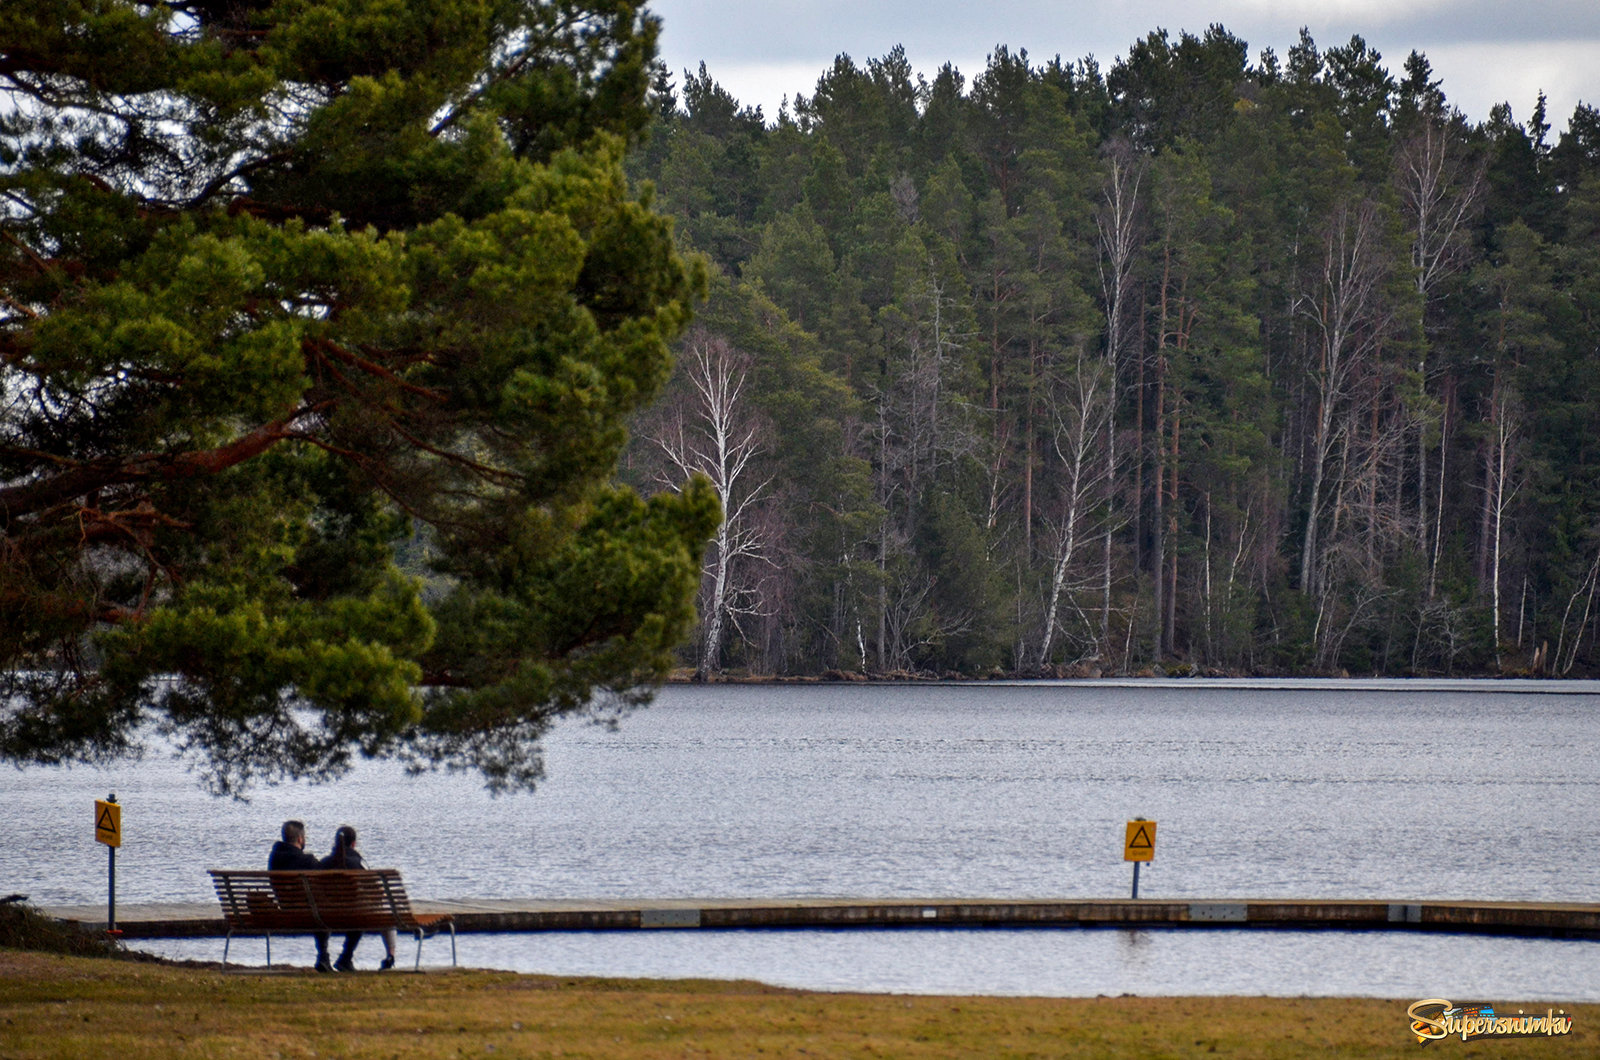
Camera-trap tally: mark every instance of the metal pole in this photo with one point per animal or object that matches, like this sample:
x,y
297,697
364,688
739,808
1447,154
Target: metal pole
x,y
111,880
1136,879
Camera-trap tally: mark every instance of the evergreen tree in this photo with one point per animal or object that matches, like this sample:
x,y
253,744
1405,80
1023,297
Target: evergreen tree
x,y
1284,366
285,283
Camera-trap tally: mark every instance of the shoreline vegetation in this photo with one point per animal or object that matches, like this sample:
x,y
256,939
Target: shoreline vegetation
x,y
54,1005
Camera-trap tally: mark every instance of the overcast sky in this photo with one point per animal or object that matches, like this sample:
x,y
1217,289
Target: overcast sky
x,y
1486,51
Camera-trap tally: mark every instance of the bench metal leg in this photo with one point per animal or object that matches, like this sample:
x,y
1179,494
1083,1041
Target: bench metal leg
x,y
227,943
421,934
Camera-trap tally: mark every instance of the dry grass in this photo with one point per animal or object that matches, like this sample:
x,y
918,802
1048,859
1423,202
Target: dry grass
x,y
62,1006
22,927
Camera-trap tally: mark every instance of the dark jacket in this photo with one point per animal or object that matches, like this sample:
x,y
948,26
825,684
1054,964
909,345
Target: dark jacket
x,y
341,858
287,856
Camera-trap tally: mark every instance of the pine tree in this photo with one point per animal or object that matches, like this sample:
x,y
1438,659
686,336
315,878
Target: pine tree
x,y
285,284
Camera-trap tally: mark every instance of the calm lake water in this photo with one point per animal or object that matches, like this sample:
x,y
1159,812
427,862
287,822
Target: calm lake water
x,y
1392,790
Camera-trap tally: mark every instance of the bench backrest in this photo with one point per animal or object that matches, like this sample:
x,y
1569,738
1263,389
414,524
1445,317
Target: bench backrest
x,y
323,899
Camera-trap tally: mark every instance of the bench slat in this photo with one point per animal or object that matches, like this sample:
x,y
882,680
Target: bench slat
x,y
260,901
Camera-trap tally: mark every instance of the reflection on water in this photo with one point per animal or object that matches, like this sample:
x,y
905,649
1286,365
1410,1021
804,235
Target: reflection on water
x,y
1135,950
1354,790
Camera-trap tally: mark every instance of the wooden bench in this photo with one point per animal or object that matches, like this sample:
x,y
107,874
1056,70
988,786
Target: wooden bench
x,y
304,902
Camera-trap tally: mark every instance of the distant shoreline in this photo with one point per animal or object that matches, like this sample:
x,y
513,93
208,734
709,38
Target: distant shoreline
x,y
1540,685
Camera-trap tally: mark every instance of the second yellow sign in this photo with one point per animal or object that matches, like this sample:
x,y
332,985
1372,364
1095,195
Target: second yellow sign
x,y
1140,844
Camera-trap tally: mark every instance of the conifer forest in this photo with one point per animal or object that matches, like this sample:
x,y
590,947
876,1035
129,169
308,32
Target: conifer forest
x,y
1200,362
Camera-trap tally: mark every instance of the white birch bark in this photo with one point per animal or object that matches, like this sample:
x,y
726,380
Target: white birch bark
x,y
1116,224
717,438
1346,314
1440,194
1079,415
1503,491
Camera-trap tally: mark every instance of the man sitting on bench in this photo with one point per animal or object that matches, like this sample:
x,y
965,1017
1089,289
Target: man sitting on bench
x,y
290,853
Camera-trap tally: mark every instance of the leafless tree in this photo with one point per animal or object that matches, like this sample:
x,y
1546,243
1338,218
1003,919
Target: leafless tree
x,y
1347,315
918,428
913,624
1567,653
1118,240
933,437
1502,488
716,436
1080,408
1440,624
1224,608
1440,192
1351,593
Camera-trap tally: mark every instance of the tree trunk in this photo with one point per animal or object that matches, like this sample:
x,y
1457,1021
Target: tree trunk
x,y
1170,636
716,608
1027,458
1116,224
1158,554
1438,509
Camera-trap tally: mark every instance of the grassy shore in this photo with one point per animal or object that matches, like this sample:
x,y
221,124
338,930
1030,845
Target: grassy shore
x,y
54,1005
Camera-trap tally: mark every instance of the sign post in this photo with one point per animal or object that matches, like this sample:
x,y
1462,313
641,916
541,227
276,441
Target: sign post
x,y
108,830
1139,845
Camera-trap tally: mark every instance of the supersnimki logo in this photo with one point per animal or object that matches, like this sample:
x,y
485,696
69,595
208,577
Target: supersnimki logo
x,y
1434,1018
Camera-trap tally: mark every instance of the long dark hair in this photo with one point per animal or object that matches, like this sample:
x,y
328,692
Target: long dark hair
x,y
344,841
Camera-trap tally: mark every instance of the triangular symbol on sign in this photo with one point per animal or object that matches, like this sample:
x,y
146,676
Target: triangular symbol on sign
x,y
1140,840
105,822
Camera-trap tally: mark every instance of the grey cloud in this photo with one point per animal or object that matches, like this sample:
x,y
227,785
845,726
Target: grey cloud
x,y
932,30
805,35
1496,22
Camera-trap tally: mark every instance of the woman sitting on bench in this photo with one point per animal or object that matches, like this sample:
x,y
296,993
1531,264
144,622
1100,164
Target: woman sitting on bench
x,y
345,856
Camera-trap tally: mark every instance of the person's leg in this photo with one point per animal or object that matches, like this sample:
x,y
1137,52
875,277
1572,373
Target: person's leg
x,y
388,950
323,964
346,961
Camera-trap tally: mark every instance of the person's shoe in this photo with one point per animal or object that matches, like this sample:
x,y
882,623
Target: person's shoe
x,y
388,962
324,966
344,964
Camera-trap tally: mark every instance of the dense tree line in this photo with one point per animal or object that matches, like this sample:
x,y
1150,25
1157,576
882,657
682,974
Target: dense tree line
x,y
1195,363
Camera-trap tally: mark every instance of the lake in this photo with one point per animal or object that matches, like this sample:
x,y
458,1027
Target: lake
x,y
1352,789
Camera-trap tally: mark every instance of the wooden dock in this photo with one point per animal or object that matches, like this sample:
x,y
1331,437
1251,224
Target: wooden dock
x,y
1558,920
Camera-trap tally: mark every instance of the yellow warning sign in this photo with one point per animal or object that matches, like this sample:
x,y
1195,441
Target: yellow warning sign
x,y
108,823
1140,844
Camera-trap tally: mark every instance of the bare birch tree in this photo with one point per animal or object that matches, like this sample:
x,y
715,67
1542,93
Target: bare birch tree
x,y
716,436
1345,308
1502,489
1440,193
1118,241
1567,655
1080,408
